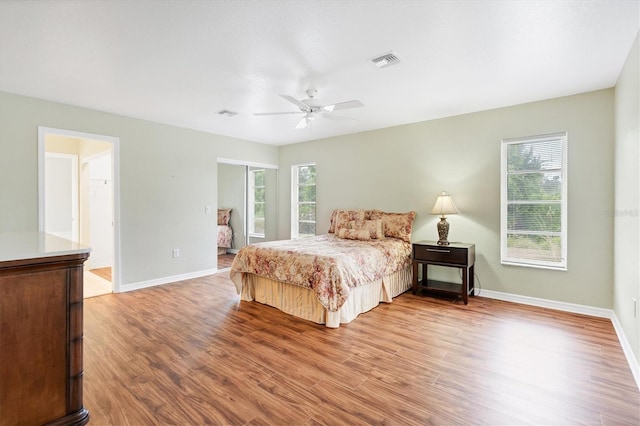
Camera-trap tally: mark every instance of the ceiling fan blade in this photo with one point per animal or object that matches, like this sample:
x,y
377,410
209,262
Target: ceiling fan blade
x,y
343,105
278,113
337,117
303,107
302,123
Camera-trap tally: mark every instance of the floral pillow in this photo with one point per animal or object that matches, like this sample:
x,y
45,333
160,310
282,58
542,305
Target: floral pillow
x,y
374,227
332,222
223,216
354,234
373,214
343,217
398,225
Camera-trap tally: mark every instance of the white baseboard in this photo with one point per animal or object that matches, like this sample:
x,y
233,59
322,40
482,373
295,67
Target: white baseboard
x,y
166,280
576,309
546,303
626,347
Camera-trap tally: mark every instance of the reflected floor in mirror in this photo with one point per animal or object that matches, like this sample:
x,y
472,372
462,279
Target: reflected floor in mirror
x,y
225,260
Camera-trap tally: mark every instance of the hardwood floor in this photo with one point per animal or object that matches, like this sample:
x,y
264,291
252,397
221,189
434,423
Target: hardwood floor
x,y
104,273
191,353
94,285
225,260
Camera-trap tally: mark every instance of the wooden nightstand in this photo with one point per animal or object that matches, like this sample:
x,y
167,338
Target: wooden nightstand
x,y
455,255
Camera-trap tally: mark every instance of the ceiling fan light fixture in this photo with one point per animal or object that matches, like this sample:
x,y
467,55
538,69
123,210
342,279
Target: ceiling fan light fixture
x,y
386,60
302,123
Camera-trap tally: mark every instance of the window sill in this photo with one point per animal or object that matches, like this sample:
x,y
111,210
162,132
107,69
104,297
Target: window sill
x,y
534,265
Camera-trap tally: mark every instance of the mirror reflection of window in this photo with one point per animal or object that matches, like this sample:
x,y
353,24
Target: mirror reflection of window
x,y
257,206
303,196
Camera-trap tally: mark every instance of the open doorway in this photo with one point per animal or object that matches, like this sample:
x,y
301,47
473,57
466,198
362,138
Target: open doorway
x,y
91,218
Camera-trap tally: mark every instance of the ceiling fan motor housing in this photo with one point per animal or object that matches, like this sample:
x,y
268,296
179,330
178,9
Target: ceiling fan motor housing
x,y
311,106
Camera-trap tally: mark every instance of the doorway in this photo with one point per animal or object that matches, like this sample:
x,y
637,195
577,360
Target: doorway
x,y
92,216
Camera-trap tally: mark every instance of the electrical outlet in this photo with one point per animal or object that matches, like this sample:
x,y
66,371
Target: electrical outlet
x,y
176,253
635,308
207,209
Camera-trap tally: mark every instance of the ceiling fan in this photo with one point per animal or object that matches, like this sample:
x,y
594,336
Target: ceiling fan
x,y
312,107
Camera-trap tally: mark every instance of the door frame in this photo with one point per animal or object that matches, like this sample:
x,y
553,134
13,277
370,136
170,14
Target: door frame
x,y
115,151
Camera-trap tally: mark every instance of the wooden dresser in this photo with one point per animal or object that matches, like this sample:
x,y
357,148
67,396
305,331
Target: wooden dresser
x,y
41,330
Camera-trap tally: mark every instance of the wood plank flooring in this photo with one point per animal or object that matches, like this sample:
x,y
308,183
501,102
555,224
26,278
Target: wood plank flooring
x,y
103,273
191,353
225,260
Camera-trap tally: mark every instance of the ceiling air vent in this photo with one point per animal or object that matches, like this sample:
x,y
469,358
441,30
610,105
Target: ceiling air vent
x,y
386,60
227,113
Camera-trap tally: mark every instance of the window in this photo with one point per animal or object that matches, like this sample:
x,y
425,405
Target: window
x,y
303,200
534,201
256,202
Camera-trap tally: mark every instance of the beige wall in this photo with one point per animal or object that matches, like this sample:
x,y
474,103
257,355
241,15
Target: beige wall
x,y
167,177
403,168
627,199
83,148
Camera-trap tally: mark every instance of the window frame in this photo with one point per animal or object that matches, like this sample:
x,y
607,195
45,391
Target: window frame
x,y
505,259
295,204
252,202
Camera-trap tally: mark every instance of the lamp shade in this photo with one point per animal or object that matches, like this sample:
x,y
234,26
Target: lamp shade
x,y
444,205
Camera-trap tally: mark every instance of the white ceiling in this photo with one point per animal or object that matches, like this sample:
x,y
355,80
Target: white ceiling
x,y
180,62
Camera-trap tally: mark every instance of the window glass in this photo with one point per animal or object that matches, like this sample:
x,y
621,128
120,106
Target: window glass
x,y
303,197
256,203
534,201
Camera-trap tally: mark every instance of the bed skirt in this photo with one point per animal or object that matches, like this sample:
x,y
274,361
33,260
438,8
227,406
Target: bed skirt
x,y
302,302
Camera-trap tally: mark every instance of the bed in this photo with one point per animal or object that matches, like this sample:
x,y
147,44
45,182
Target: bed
x,y
330,279
225,232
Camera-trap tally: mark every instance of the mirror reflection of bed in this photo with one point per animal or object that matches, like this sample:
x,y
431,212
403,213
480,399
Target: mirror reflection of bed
x,y
225,238
247,202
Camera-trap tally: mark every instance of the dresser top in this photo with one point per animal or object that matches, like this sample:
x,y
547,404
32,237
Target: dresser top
x,y
32,245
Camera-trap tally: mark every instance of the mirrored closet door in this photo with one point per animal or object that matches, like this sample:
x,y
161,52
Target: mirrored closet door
x,y
247,205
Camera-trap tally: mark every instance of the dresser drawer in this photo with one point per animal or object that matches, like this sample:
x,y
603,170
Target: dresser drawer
x,y
443,254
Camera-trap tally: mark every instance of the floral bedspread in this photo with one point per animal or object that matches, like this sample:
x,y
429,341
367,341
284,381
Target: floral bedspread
x,y
327,264
225,234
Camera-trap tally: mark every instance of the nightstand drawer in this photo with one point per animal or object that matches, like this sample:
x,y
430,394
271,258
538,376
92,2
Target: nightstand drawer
x,y
444,254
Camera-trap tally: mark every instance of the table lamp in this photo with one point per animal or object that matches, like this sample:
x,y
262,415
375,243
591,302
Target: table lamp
x,y
444,205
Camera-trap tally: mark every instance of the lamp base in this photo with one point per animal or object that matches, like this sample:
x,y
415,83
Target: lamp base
x,y
443,231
